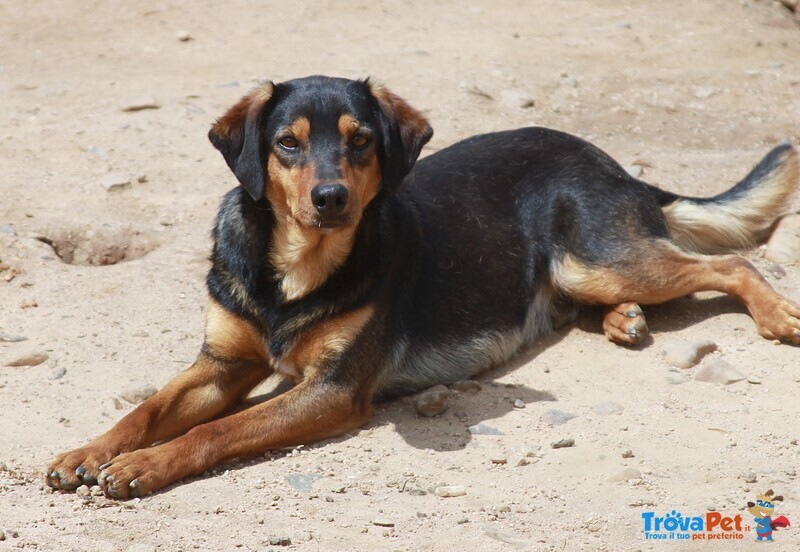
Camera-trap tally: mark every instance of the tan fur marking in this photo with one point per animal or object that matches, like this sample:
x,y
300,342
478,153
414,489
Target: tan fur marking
x,y
301,129
327,339
348,125
229,336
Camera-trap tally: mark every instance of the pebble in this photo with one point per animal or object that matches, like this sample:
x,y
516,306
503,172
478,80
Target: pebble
x,y
677,380
98,152
280,541
519,403
627,454
634,170
383,522
184,36
447,491
12,338
505,536
606,408
556,417
8,229
483,429
517,98
776,270
626,475
138,392
467,386
57,373
784,244
499,460
115,181
83,491
685,354
719,371
140,104
302,481
304,536
563,443
28,359
753,381
433,401
750,477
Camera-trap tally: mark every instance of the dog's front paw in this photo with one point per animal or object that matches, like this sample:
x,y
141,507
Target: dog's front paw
x,y
136,473
779,321
625,324
78,467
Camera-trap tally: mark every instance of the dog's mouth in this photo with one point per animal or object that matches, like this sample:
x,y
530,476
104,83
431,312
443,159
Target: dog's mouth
x,y
330,223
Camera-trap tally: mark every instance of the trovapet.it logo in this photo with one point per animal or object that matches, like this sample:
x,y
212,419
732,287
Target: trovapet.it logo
x,y
675,526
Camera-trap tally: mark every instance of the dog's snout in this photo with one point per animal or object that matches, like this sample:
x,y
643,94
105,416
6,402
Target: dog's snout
x,y
329,199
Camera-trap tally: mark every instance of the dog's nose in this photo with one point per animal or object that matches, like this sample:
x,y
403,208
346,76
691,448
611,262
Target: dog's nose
x,y
329,199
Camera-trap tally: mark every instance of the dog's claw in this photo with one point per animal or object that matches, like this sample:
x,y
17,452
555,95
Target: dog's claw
x,y
104,466
631,314
80,471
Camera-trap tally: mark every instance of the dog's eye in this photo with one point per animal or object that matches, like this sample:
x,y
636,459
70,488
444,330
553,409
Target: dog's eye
x,y
288,142
360,141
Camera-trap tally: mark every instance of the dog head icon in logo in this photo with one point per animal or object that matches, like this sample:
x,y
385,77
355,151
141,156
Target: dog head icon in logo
x,y
762,510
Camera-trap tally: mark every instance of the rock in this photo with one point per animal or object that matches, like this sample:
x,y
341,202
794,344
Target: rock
x,y
483,429
467,386
784,244
433,401
304,536
28,359
606,408
556,417
184,36
563,443
448,491
383,522
626,475
98,152
627,454
685,354
140,104
302,481
499,460
83,491
753,380
517,98
12,338
138,392
280,541
750,477
719,371
634,170
776,271
8,229
118,405
115,181
519,403
57,372
677,380
505,536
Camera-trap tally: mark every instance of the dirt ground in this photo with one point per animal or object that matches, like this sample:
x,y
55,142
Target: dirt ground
x,y
692,92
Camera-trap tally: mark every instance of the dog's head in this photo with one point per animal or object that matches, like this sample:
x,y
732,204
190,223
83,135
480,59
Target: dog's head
x,y
320,148
764,505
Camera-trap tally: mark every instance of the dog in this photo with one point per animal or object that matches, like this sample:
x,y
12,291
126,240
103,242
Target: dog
x,y
359,274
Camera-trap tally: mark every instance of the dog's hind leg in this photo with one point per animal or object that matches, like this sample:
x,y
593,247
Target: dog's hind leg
x,y
661,271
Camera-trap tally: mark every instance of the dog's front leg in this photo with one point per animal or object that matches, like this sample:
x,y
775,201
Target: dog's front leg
x,y
313,410
232,362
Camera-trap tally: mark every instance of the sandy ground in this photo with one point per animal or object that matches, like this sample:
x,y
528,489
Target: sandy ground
x,y
692,91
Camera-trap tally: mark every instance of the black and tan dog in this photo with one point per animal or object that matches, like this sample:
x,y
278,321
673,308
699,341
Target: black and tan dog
x,y
340,267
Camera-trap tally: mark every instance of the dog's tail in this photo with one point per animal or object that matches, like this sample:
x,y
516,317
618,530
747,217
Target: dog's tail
x,y
740,217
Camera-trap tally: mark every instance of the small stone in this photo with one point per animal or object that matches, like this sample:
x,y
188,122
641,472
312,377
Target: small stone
x,y
517,98
383,522
184,36
140,333
563,443
556,417
467,386
753,380
719,371
634,170
685,354
523,461
677,380
302,481
433,401
57,373
776,270
141,179
138,392
448,491
519,403
83,491
784,245
141,104
304,536
499,460
118,405
606,408
115,181
11,338
627,454
280,541
28,359
626,475
703,93
98,152
750,477
96,490
483,429
8,229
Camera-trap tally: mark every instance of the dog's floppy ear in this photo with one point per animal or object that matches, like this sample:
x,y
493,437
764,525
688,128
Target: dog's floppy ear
x,y
237,135
405,130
